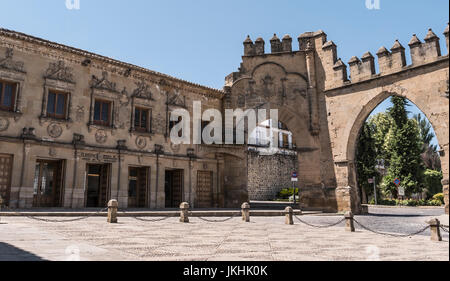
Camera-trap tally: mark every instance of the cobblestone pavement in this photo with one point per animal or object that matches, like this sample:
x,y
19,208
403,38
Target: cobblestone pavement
x,y
264,239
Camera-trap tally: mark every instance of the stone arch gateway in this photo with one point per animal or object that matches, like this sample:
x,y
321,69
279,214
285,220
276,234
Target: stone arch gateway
x,y
327,107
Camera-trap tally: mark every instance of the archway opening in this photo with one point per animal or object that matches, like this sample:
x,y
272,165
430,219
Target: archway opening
x,y
272,159
397,156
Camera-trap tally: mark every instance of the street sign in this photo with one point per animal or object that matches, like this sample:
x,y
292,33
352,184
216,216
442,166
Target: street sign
x,y
294,177
397,182
401,191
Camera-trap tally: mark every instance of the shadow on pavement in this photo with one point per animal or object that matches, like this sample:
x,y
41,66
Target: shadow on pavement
x,y
10,253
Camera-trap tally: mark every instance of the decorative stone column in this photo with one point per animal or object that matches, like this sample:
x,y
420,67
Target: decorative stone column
x,y
246,212
289,215
184,212
349,223
113,205
435,226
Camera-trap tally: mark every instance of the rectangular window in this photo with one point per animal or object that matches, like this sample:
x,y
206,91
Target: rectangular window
x,y
7,95
141,117
102,113
56,105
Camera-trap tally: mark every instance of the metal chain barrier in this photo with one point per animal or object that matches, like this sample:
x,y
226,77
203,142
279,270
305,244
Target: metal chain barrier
x,y
69,220
218,221
147,220
319,226
392,234
444,228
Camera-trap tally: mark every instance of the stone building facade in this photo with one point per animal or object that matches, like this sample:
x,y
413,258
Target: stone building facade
x,y
77,129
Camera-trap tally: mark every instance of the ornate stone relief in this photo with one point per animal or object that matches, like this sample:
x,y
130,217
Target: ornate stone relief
x,y
101,136
59,71
142,91
9,64
175,147
103,83
4,124
141,142
79,113
54,130
52,151
176,99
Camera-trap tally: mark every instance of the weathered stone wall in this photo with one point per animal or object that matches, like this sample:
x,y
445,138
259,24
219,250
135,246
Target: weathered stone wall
x,y
28,133
268,174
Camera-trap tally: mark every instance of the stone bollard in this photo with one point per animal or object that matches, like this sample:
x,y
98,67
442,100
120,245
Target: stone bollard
x,y
113,205
246,212
349,224
435,225
184,212
289,215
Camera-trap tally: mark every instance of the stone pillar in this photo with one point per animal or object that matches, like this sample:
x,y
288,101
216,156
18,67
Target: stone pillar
x,y
349,224
435,226
113,205
246,212
289,215
184,212
445,184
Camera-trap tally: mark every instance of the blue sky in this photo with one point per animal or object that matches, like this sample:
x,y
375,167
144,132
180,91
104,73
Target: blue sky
x,y
201,40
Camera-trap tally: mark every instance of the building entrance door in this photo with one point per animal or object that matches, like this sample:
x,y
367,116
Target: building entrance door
x,y
97,185
137,187
5,177
204,189
174,188
48,184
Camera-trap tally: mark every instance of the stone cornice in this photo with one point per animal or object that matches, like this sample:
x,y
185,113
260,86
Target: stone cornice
x,y
152,76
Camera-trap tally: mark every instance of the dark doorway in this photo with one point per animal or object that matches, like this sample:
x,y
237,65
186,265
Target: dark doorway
x,y
48,184
137,187
174,188
204,190
97,185
5,177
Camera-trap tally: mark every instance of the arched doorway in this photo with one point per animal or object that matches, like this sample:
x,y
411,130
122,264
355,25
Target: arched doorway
x,y
433,116
397,141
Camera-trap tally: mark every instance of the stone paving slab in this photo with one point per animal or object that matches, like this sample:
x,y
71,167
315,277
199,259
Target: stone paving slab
x,y
263,239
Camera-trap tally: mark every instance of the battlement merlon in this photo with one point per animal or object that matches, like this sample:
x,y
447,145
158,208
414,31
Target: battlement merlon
x,y
389,61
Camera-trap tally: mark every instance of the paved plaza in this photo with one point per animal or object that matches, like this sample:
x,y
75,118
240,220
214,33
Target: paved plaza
x,y
263,239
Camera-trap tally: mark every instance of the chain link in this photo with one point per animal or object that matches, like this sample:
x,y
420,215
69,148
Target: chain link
x,y
392,234
147,220
319,226
443,227
69,220
225,220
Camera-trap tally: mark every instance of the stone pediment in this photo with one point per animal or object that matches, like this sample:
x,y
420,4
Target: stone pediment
x,y
59,71
176,99
103,83
9,64
142,91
